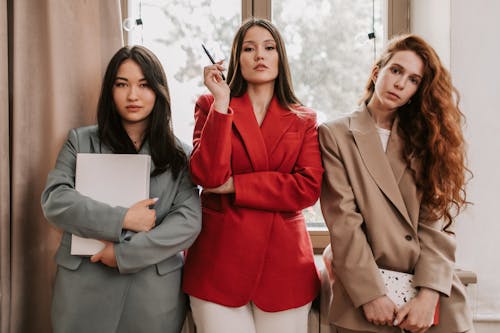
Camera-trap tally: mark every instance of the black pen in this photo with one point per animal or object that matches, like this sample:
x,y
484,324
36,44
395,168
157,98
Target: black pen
x,y
211,59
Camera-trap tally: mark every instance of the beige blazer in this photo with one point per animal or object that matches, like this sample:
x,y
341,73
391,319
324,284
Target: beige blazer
x,y
372,208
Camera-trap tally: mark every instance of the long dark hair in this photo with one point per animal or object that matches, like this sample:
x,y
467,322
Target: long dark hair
x,y
283,87
431,128
165,152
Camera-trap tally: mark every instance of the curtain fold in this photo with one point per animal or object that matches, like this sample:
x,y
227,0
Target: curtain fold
x,y
4,173
58,52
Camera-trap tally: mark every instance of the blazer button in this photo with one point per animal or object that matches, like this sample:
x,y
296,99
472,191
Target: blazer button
x,y
408,237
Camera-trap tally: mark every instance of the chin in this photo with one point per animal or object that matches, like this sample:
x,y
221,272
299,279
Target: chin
x,y
261,80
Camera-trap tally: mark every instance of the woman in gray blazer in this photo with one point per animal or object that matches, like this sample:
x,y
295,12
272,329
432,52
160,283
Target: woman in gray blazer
x,y
394,177
134,283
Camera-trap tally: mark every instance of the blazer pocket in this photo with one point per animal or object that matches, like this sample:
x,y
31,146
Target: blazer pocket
x,y
291,136
170,264
65,259
292,217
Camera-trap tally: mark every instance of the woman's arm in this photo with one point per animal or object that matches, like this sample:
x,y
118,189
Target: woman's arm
x,y
433,275
210,161
73,212
436,263
274,190
176,232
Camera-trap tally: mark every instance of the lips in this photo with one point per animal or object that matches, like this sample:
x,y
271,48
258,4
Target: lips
x,y
133,108
260,67
394,95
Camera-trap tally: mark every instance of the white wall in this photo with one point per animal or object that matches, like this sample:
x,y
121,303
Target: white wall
x,y
431,20
468,33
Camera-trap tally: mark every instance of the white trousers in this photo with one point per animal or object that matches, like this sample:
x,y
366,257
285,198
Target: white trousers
x,y
214,318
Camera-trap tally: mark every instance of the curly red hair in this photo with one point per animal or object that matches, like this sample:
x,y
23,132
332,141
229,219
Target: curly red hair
x,y
431,129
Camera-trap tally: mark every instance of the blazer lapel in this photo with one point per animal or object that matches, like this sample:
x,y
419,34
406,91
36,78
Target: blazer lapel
x,y
407,189
96,147
379,166
276,123
395,152
248,128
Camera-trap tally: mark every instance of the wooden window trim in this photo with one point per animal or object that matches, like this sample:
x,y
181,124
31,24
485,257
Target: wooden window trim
x,y
256,8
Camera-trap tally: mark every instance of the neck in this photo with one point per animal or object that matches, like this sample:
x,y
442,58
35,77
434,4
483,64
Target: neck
x,y
260,96
136,132
382,117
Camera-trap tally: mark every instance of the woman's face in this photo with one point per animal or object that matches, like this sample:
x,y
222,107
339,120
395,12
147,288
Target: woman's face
x,y
398,80
259,57
133,97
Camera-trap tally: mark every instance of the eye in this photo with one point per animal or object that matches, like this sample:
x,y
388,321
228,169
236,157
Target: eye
x,y
120,84
395,70
270,48
144,85
248,49
415,81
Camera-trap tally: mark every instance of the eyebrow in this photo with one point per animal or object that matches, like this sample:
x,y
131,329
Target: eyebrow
x,y
413,74
125,79
254,42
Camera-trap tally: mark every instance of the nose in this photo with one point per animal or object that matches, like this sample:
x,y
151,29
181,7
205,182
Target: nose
x,y
400,83
132,93
259,54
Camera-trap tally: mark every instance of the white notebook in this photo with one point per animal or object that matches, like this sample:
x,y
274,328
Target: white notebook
x,y
115,179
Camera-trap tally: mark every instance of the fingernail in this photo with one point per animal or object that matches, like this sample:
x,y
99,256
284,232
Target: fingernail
x,y
156,199
395,322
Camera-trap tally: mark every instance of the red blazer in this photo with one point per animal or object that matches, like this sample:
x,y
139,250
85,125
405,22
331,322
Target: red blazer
x,y
254,245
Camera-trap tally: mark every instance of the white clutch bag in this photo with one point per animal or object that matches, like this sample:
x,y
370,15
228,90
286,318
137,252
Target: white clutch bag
x,y
400,289
399,286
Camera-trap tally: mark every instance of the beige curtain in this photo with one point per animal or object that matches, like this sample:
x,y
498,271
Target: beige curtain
x,y
57,51
4,173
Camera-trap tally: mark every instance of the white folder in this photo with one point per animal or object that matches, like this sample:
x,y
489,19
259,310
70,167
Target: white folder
x,y
115,179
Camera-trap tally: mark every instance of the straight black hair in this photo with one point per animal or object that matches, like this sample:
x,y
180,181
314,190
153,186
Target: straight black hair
x,y
166,153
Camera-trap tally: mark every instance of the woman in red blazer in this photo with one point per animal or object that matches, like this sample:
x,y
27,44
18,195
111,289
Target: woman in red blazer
x,y
257,157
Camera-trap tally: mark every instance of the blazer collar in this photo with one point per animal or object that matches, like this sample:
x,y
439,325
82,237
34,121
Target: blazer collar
x,y
386,168
276,123
260,142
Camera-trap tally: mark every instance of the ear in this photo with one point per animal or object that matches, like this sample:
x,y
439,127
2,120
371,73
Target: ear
x,y
374,75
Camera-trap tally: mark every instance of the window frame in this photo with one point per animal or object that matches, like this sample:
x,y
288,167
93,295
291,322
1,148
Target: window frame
x,y
396,21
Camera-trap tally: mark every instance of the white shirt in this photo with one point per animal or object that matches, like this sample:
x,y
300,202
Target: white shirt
x,y
384,136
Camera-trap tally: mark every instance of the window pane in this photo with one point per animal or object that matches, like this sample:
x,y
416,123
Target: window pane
x,y
330,54
174,31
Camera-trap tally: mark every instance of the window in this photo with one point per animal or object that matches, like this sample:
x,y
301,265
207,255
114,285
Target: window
x,y
330,55
174,31
328,46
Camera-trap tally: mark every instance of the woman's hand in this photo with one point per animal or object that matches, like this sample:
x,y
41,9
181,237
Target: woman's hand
x,y
140,217
227,187
106,255
217,86
327,260
418,314
380,311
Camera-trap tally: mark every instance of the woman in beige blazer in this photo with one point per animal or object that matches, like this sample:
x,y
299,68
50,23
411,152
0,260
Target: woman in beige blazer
x,y
394,181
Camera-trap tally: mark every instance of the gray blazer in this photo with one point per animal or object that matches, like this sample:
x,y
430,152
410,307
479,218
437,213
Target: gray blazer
x,y
143,294
372,208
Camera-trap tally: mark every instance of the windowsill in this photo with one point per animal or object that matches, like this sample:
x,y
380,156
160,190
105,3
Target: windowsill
x,y
320,238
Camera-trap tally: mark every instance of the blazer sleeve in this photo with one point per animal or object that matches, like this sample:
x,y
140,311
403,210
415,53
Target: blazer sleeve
x,y
293,191
353,260
436,263
176,231
73,212
211,144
